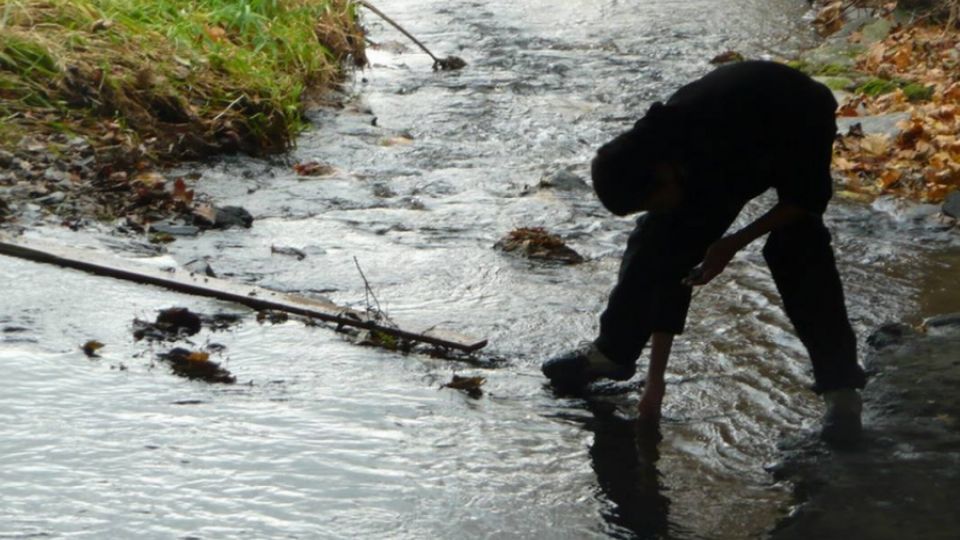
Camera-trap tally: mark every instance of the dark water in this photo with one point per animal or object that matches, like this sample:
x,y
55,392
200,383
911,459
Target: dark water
x,y
331,440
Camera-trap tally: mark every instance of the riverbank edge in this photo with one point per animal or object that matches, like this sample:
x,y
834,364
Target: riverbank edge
x,y
99,97
896,74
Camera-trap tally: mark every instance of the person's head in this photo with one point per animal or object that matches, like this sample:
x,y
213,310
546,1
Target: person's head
x,y
637,170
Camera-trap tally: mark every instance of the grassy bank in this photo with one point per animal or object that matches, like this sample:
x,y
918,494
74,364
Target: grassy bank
x,y
157,81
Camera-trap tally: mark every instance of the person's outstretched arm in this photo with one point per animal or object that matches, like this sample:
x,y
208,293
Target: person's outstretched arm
x,y
722,251
654,388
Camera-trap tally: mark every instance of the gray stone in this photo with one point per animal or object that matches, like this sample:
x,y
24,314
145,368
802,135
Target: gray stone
x,y
174,229
881,124
951,206
232,216
833,53
875,31
6,158
943,324
890,334
564,181
54,175
52,199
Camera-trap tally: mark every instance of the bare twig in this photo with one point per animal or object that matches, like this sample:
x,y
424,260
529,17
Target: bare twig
x,y
377,313
450,62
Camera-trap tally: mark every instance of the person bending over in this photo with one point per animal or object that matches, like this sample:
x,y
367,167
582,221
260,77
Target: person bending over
x,y
690,165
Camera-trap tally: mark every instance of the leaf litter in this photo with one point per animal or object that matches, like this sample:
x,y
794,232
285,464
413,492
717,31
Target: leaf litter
x,y
916,70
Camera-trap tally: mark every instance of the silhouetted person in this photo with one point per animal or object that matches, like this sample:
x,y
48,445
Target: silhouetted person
x,y
691,164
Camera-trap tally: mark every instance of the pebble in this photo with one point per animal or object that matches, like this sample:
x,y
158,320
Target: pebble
x,y
951,206
174,229
53,199
54,175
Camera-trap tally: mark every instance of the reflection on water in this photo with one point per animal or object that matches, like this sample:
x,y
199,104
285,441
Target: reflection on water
x,y
330,440
624,455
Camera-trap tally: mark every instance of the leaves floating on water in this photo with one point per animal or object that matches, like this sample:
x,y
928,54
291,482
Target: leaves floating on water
x,y
727,57
91,347
537,243
196,365
313,168
470,385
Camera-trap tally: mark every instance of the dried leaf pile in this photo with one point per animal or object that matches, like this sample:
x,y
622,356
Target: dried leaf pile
x,y
916,70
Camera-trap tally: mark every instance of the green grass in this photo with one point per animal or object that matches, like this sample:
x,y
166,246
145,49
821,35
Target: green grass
x,y
912,90
238,69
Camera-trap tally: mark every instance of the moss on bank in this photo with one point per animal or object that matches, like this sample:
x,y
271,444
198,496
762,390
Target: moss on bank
x,y
166,80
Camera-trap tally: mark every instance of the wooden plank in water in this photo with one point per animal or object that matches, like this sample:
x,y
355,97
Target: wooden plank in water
x,y
184,281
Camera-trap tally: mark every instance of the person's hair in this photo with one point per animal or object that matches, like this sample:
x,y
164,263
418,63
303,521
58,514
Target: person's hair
x,y
623,170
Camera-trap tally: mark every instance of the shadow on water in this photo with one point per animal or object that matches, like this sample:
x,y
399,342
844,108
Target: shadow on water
x,y
624,456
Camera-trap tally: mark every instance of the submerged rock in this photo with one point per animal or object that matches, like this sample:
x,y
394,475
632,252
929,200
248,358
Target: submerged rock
x,y
174,229
171,324
196,365
951,206
210,217
943,324
565,181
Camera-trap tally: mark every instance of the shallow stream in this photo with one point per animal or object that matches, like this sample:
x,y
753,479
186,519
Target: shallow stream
x,y
332,440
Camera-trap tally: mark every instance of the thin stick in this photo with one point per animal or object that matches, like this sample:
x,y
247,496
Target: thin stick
x,y
378,314
187,282
396,25
230,106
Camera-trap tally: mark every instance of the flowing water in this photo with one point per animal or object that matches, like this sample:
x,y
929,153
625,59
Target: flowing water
x,y
332,440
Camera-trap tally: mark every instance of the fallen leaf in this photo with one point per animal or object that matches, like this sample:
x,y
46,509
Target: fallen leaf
x,y
889,177
829,19
313,168
181,193
470,385
875,144
91,347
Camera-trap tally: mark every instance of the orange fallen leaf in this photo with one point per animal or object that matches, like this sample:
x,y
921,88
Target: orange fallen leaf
x,y
181,193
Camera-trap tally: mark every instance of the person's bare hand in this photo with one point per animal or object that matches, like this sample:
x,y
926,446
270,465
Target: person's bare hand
x,y
717,258
648,410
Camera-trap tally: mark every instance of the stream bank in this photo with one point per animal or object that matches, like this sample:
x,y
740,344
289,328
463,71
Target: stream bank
x,y
97,97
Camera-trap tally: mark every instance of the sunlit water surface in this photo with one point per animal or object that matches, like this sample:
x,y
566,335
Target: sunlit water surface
x,y
324,439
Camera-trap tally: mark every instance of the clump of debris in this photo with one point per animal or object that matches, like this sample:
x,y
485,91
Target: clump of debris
x,y
469,385
537,243
196,365
178,323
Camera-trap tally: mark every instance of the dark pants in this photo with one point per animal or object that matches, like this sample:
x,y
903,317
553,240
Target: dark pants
x,y
649,296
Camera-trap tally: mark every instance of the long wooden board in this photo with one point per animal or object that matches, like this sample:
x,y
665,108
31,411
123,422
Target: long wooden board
x,y
184,281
